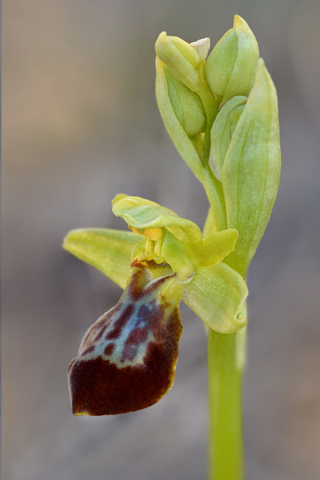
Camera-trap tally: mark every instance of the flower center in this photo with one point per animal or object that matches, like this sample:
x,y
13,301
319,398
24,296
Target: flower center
x,y
154,242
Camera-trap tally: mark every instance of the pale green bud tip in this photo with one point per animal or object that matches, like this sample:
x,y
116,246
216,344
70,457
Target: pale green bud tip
x,y
263,97
187,106
230,68
202,46
181,58
239,24
170,49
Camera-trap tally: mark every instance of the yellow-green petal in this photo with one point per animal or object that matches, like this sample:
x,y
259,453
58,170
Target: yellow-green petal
x,y
107,250
214,248
217,295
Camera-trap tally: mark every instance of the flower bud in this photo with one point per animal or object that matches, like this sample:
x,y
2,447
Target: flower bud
x,y
231,66
187,106
181,58
222,131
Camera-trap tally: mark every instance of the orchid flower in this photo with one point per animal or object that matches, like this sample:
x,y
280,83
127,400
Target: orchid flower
x,y
221,113
127,358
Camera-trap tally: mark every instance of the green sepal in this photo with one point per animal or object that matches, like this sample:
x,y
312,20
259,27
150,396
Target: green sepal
x,y
221,132
251,169
217,295
214,248
105,249
144,214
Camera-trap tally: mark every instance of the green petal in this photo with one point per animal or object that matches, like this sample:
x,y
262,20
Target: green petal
x,y
141,214
107,250
217,295
213,249
251,170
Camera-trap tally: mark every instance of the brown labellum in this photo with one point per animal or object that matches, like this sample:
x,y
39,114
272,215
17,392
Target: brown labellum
x,y
127,359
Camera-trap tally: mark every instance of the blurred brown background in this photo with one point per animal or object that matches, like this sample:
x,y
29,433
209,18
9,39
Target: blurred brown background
x,y
80,125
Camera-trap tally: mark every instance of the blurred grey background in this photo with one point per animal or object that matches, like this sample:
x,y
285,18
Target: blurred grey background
x,y
80,125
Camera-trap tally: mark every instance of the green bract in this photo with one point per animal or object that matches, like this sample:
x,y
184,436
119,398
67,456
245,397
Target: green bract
x,y
251,169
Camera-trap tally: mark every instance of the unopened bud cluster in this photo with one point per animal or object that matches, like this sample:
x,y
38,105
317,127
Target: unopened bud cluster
x,y
221,113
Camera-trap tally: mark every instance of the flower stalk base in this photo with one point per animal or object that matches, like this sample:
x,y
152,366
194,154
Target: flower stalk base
x,y
226,358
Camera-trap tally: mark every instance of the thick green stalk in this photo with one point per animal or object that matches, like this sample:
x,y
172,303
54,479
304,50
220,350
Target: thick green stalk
x,y
226,358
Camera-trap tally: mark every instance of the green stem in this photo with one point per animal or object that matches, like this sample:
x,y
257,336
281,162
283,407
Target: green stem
x,y
226,357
